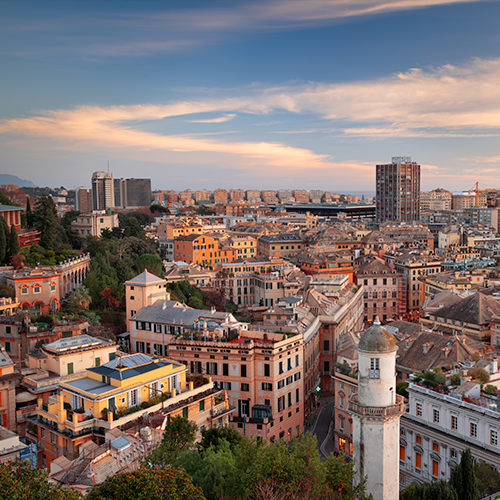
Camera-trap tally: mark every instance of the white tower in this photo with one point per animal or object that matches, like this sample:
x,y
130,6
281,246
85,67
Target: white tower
x,y
376,410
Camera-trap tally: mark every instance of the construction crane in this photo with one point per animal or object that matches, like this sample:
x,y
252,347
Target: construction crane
x,y
477,191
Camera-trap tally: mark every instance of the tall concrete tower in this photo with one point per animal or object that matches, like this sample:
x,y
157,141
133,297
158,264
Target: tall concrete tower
x,y
376,410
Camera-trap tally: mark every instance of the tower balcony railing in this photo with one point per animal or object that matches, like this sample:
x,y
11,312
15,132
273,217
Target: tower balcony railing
x,y
377,411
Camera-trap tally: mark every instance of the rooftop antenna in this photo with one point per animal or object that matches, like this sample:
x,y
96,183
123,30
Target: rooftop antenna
x,y
108,166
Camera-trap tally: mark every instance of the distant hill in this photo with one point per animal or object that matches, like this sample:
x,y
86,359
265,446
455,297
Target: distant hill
x,y
14,179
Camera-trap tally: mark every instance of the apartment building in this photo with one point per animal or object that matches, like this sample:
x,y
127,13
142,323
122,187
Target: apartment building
x,y
438,427
221,196
204,250
262,374
103,398
94,223
202,196
141,291
279,245
253,196
437,199
412,265
8,383
383,295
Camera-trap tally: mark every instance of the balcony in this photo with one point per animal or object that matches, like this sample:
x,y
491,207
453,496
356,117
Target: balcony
x,y
377,411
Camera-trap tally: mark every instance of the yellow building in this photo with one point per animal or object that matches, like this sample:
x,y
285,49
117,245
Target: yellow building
x,y
245,247
116,393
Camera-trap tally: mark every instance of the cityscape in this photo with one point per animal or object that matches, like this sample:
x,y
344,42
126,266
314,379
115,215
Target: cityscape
x,y
250,250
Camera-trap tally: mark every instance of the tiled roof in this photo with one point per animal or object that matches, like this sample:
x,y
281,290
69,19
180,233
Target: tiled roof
x,y
145,278
477,309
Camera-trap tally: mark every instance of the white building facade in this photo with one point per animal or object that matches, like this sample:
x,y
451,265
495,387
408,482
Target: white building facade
x,y
439,427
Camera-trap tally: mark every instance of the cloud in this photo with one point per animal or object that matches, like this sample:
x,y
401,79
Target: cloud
x,y
220,119
151,32
447,101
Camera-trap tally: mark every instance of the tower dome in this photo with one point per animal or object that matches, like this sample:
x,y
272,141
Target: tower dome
x,y
377,339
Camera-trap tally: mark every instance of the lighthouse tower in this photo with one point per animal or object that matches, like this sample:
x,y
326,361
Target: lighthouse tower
x,y
376,410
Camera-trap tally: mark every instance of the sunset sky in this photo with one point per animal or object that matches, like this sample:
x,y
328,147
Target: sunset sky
x,y
254,94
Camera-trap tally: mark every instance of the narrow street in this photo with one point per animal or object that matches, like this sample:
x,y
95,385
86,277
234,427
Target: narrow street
x,y
320,426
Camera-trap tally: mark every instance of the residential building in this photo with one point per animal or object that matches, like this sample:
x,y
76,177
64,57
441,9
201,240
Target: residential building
x,y
269,196
398,190
467,199
237,195
279,245
202,196
94,223
8,306
221,196
439,427
141,291
186,197
437,199
83,200
196,275
102,399
103,191
12,216
383,291
253,196
262,374
8,384
204,250
12,449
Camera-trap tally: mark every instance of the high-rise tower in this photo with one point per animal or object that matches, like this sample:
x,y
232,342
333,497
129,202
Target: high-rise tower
x,y
398,190
103,193
376,410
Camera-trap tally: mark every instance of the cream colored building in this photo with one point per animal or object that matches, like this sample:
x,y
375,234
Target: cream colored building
x,y
94,223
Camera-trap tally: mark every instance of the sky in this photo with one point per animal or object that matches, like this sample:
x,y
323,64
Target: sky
x,y
250,94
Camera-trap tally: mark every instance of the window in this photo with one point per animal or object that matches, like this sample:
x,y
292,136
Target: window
x,y
267,370
374,368
243,370
435,446
418,460
36,289
473,429
402,453
435,468
326,367
326,345
98,361
225,369
418,409
341,402
52,288
132,398
111,356
7,346
454,422
24,290
493,437
70,368
226,386
266,386
281,367
202,405
435,415
185,412
297,395
245,387
418,439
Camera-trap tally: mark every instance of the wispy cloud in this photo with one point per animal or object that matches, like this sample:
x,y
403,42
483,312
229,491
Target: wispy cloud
x,y
151,32
448,101
220,119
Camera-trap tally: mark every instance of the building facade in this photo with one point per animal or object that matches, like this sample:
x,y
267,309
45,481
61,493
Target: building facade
x,y
398,190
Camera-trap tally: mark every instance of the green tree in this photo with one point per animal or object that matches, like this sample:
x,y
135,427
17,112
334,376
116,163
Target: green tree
x,y
148,483
46,221
479,375
4,240
438,490
463,479
179,436
13,242
214,436
20,481
455,379
151,262
29,213
401,388
487,479
490,389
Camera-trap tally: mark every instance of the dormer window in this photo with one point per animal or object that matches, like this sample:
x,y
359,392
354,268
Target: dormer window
x,y
374,368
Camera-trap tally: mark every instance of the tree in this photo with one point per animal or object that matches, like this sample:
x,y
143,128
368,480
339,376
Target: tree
x,y
490,389
463,479
148,483
29,213
7,291
13,242
4,241
438,490
487,479
151,262
479,375
179,436
21,482
45,220
401,388
455,379
215,435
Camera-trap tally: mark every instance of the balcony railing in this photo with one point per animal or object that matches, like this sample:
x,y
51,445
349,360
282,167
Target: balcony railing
x,y
377,411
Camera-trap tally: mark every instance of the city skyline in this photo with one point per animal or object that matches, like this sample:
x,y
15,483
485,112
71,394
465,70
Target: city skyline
x,y
255,95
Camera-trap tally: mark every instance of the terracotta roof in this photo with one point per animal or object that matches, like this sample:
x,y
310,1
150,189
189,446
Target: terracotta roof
x,y
479,308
